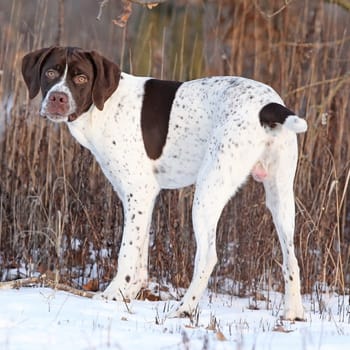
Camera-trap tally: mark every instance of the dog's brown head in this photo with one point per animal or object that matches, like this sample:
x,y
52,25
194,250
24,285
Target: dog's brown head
x,y
70,79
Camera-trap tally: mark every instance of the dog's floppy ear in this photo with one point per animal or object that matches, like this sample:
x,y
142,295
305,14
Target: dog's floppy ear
x,y
31,66
107,76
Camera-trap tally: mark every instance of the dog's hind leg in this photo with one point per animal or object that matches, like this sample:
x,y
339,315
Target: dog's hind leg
x,y
220,176
280,200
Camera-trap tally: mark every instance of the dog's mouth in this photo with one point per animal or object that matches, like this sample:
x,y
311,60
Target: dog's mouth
x,y
54,117
58,118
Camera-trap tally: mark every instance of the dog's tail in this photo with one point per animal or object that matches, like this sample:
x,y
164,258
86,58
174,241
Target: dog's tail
x,y
275,113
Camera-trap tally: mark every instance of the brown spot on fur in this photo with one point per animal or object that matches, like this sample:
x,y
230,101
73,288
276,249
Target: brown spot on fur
x,y
274,113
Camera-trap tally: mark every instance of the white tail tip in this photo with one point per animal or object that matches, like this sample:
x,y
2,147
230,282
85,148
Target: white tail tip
x,y
296,124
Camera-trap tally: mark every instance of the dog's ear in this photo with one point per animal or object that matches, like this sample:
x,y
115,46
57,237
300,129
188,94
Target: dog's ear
x,y
31,67
107,76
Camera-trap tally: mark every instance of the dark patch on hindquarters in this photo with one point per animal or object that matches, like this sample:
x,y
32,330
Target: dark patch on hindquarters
x,y
274,113
155,114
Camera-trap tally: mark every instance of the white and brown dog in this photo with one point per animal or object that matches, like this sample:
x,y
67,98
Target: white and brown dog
x,y
150,134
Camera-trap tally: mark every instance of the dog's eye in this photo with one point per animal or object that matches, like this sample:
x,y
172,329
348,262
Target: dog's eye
x,y
80,79
51,74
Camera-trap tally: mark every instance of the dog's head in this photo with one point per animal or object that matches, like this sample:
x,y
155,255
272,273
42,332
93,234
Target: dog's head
x,y
70,79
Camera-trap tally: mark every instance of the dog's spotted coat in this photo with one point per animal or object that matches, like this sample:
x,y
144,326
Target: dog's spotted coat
x,y
149,135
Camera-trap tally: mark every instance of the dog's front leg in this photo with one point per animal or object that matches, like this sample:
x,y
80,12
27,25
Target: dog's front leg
x,y
133,255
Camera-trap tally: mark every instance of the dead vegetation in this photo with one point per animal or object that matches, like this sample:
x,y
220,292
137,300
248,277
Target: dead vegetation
x,y
58,213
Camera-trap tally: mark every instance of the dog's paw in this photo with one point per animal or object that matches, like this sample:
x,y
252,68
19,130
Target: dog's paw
x,y
98,296
294,315
121,291
107,296
181,310
115,294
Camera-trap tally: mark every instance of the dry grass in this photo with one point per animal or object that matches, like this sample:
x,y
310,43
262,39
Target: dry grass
x,y
57,211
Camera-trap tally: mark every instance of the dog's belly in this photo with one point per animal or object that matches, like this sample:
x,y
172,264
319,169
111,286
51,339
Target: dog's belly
x,y
183,152
179,168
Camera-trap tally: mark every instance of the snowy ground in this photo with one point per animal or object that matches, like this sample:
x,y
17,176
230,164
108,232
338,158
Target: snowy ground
x,y
39,318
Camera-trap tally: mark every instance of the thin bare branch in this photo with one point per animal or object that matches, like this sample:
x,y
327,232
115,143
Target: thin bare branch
x,y
340,80
102,5
275,13
45,282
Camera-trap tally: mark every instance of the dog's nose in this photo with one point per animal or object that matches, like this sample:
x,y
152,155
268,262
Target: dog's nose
x,y
59,98
57,103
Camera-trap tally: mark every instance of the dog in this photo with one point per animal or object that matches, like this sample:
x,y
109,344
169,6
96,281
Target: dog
x,y
149,134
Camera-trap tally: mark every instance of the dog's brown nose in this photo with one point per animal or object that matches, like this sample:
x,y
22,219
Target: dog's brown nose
x,y
58,103
58,97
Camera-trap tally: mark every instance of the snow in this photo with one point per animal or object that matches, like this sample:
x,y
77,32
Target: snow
x,y
40,318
